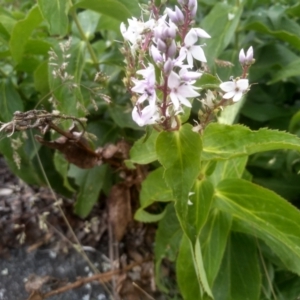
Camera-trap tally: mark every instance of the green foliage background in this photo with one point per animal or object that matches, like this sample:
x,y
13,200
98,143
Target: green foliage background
x,y
244,240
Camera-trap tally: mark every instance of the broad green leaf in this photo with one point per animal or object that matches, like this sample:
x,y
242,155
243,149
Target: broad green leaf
x,y
143,151
90,183
227,17
295,122
153,189
88,21
266,64
133,6
38,47
55,13
22,31
167,240
69,98
122,116
192,278
41,82
284,28
213,240
7,22
265,215
200,271
10,101
179,153
231,168
77,62
239,276
230,113
293,69
199,204
27,171
62,167
224,141
120,11
185,272
208,81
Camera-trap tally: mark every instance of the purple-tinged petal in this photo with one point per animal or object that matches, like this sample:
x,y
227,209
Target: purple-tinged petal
x,y
173,80
174,100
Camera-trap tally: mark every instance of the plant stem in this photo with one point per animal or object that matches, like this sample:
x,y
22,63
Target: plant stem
x,y
84,38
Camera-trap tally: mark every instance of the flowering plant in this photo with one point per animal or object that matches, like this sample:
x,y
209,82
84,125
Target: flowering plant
x,y
214,204
195,172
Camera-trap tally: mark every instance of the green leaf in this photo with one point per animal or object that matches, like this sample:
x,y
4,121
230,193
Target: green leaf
x,y
88,21
41,82
192,278
265,215
22,31
231,168
185,271
208,81
239,276
62,167
90,183
122,116
181,164
214,239
28,170
143,151
293,69
55,13
284,28
120,11
10,100
167,240
227,17
199,204
153,189
224,141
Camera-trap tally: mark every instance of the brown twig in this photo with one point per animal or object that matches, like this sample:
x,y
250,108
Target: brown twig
x,y
103,277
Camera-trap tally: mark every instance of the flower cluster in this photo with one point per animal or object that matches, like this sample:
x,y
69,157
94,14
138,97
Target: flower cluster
x,y
165,83
164,58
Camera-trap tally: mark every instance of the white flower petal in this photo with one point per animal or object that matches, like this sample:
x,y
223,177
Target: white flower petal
x,y
174,100
242,84
173,80
202,33
238,95
229,95
198,53
227,86
191,38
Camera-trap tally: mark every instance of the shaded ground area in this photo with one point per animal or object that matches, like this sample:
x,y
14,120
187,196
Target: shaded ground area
x,y
21,266
38,257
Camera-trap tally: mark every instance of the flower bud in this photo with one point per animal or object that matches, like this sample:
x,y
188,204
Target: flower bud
x,y
161,46
171,49
246,59
168,66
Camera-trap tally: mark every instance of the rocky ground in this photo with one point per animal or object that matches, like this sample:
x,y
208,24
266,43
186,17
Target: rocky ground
x,y
41,259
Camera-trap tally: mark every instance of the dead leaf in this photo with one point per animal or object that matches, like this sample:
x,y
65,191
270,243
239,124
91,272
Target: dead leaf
x,y
119,209
36,295
35,282
75,151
